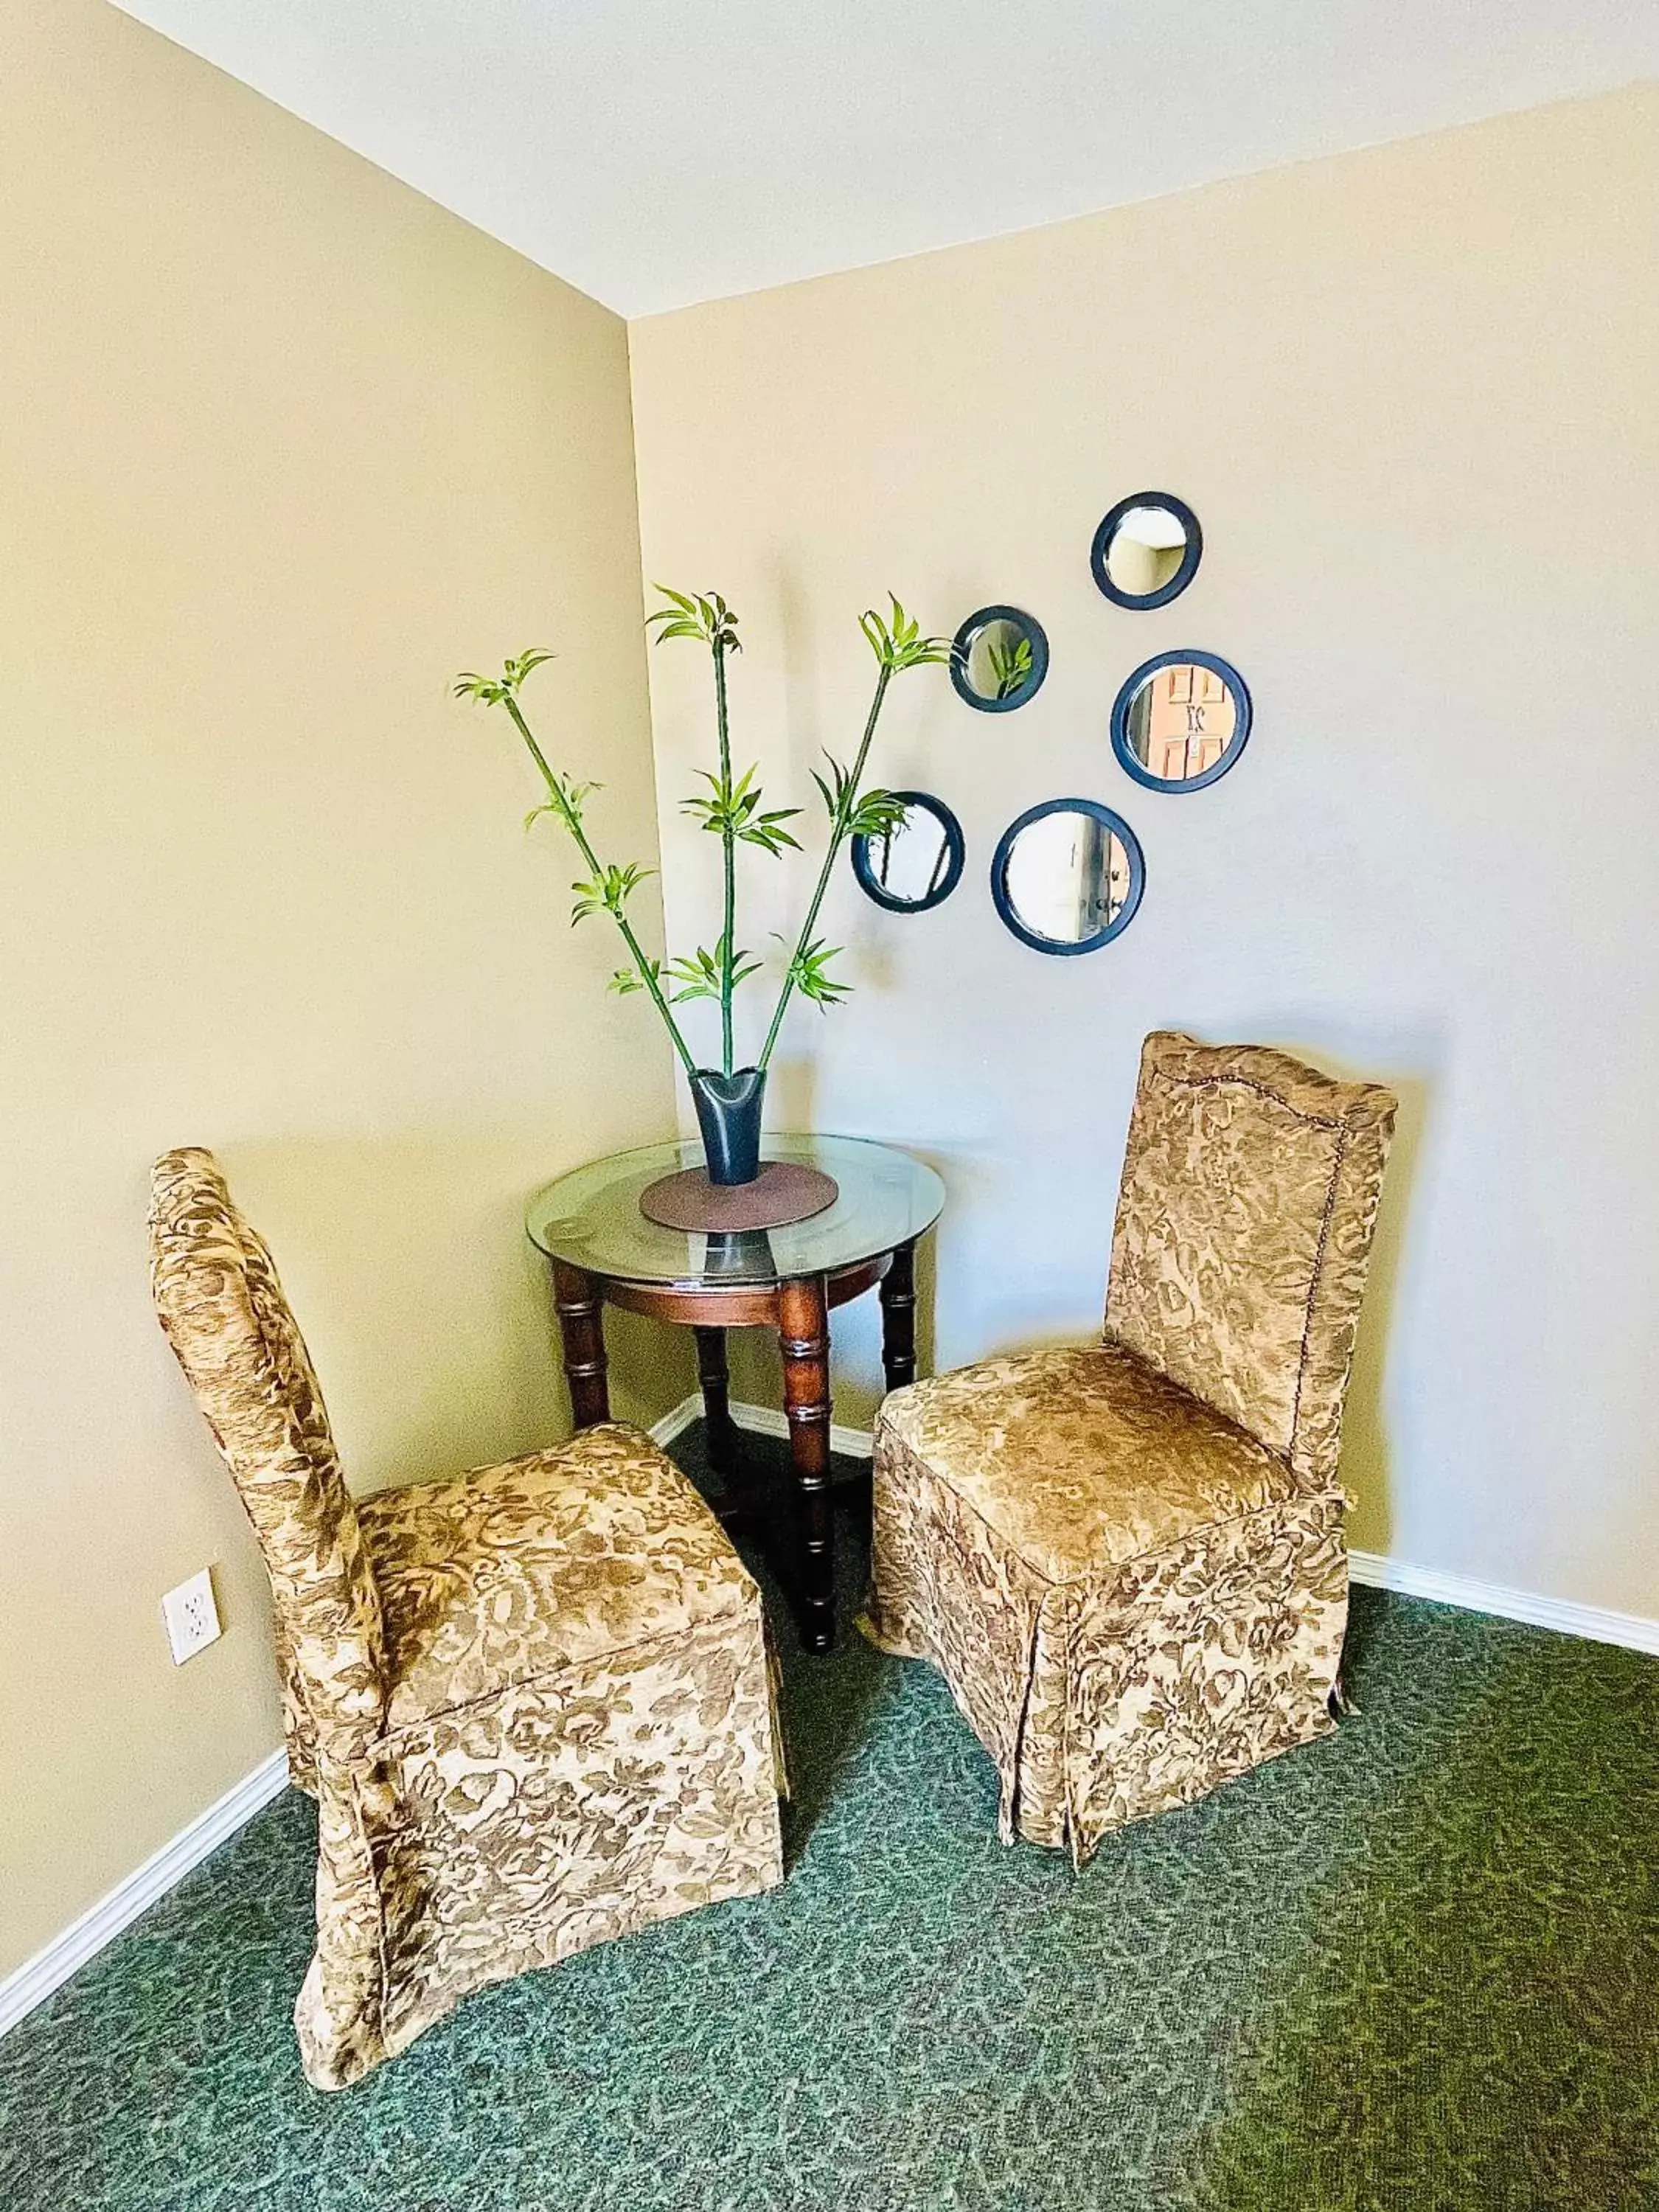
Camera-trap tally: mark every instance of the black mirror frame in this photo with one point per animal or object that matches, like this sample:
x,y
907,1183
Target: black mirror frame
x,y
1244,714
1118,827
956,847
961,644
1139,603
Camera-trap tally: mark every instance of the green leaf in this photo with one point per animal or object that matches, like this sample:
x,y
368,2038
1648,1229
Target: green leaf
x,y
809,973
730,812
1010,665
877,814
835,793
765,830
708,619
483,689
698,977
896,640
566,802
526,664
627,980
701,974
495,690
609,892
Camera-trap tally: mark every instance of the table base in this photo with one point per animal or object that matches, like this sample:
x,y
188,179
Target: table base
x,y
799,1309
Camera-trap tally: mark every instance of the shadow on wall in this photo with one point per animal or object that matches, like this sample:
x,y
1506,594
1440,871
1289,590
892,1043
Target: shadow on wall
x,y
428,1314
1367,1466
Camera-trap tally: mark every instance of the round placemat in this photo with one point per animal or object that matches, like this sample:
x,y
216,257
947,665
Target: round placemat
x,y
783,1192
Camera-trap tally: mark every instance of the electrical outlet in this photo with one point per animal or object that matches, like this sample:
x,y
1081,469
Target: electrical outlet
x,y
191,1616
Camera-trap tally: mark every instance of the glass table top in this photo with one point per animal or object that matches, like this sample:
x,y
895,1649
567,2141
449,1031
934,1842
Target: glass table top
x,y
591,1217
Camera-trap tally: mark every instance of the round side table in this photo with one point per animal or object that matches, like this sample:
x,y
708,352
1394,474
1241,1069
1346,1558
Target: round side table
x,y
604,1251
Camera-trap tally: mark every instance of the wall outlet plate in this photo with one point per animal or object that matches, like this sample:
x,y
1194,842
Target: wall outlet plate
x,y
191,1616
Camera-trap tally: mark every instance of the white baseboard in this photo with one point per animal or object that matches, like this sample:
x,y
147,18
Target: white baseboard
x,y
677,1420
766,1421
760,1421
35,1980
1594,1622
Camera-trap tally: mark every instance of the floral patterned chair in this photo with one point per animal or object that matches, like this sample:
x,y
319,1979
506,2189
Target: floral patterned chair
x,y
535,1705
1127,1559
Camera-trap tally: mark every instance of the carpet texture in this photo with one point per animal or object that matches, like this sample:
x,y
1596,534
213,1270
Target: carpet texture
x,y
1413,1968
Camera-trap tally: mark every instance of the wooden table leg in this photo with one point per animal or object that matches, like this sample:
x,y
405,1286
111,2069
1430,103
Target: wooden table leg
x,y
803,1333
713,1377
581,1323
898,1318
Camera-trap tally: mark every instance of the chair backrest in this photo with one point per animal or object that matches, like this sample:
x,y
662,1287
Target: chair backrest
x,y
1244,1223
223,1312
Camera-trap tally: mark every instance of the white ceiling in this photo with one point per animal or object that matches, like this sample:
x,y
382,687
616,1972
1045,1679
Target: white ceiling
x,y
657,156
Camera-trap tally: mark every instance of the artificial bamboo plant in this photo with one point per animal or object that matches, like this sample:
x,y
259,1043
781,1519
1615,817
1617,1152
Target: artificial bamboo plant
x,y
732,810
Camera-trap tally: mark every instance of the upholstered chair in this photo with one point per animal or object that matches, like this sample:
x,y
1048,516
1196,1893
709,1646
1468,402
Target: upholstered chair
x,y
534,1705
1127,1559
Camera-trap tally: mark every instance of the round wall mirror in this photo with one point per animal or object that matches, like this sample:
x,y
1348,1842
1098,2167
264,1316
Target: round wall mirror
x,y
908,869
1067,876
998,659
1147,549
1181,721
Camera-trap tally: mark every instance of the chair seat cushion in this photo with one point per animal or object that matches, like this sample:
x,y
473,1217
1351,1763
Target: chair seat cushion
x,y
1083,1458
522,1571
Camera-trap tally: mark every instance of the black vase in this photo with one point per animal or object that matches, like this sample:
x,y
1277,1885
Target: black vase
x,y
742,1255
729,1116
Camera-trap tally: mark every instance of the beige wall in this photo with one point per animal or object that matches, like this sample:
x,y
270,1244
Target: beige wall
x,y
282,446
1411,393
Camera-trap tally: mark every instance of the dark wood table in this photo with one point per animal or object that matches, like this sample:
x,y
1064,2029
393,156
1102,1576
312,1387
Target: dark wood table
x,y
604,1252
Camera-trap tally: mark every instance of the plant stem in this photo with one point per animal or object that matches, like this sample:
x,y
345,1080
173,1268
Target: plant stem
x,y
837,837
728,850
636,949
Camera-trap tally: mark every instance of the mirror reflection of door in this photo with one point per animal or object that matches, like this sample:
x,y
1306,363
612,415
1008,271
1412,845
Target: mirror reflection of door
x,y
1103,875
1182,721
1068,876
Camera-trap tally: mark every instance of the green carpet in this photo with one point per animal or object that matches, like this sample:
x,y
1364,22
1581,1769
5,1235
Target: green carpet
x,y
1414,1966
